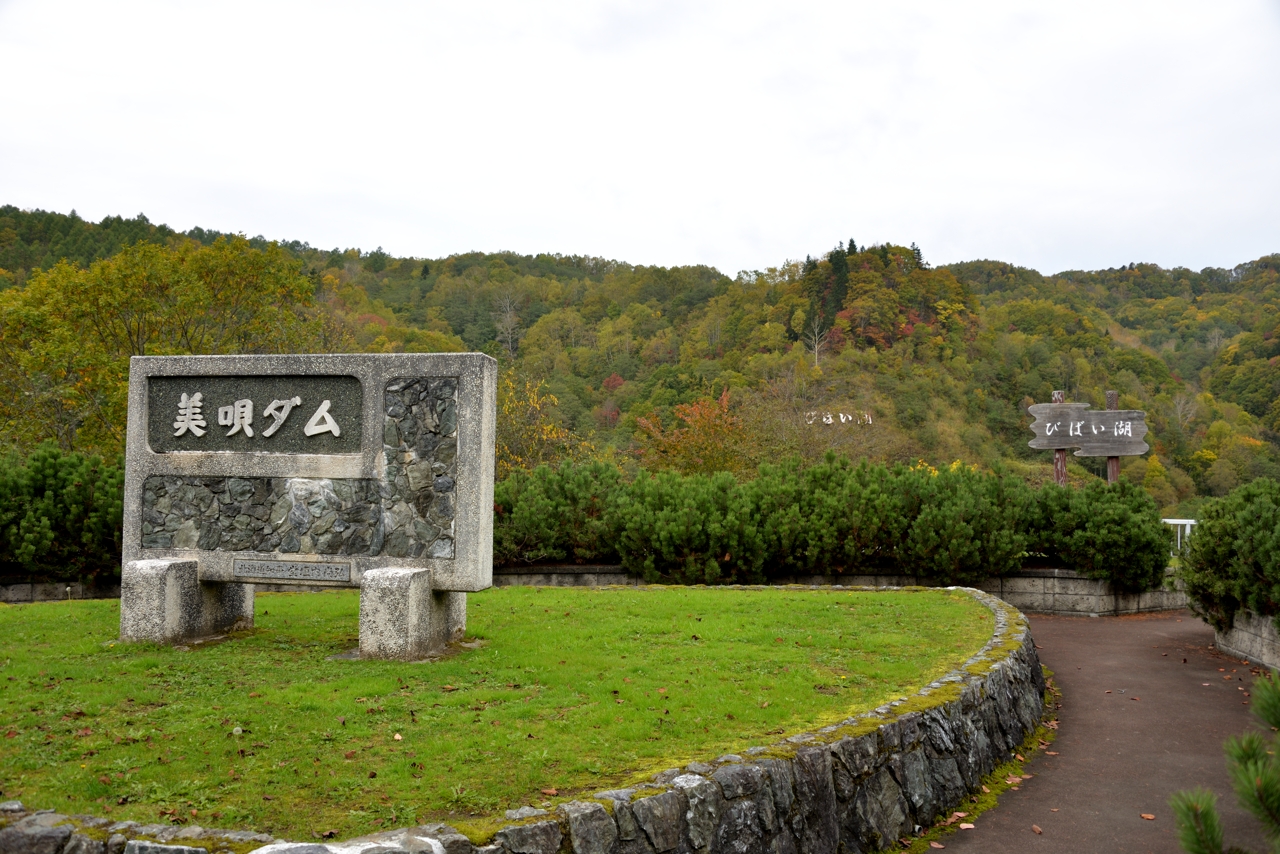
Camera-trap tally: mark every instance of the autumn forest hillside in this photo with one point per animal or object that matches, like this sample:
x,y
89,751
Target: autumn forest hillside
x,y
865,350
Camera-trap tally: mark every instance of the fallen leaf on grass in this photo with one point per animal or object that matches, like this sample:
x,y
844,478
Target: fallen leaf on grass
x,y
11,734
448,688
373,774
1148,816
1035,828
350,754
986,790
398,737
549,791
1019,756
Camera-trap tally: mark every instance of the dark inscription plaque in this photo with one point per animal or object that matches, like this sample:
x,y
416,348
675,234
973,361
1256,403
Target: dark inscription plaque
x,y
255,414
292,570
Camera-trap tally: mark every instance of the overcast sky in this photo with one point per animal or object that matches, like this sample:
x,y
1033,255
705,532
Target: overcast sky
x,y
738,134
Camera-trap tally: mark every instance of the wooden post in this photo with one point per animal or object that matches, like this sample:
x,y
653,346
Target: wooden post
x,y
1113,463
1060,454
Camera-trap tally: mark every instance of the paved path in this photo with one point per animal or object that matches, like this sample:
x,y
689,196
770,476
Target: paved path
x,y
1124,753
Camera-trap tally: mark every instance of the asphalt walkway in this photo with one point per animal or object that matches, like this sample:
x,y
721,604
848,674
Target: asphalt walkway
x,y
1146,705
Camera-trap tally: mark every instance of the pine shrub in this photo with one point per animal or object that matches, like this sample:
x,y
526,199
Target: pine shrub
x,y
60,517
556,514
1232,559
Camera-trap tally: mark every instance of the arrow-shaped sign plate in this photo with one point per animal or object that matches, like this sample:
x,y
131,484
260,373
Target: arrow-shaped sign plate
x,y
1096,432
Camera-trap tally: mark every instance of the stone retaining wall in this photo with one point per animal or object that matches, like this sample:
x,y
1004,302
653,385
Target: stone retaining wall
x,y
856,786
56,591
1252,637
1040,591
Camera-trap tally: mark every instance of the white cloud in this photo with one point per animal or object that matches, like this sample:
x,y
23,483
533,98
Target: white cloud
x,y
735,134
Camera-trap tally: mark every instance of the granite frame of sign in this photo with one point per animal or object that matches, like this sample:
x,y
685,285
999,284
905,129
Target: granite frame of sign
x,y
372,471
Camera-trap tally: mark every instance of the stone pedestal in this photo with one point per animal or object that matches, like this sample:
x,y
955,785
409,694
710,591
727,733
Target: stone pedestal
x,y
403,619
164,601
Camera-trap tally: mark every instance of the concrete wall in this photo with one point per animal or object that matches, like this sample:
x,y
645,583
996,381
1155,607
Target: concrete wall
x,y
1040,591
18,593
1252,637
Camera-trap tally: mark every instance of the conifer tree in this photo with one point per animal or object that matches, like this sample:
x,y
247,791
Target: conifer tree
x,y
839,280
917,255
1255,775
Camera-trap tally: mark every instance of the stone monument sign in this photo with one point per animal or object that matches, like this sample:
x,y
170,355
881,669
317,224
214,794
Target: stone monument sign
x,y
368,471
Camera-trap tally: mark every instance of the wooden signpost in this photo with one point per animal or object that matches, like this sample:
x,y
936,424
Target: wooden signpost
x,y
1112,433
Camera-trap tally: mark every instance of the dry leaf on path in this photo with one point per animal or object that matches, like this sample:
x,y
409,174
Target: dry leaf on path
x,y
964,825
936,845
1035,828
1148,816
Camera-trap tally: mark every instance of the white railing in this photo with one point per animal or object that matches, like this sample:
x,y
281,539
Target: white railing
x,y
1182,529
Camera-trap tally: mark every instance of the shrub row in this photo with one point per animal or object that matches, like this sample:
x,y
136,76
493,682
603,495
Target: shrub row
x,y
1232,559
60,517
955,525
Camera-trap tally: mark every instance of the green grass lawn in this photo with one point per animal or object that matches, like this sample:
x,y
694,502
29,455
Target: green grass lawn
x,y
571,690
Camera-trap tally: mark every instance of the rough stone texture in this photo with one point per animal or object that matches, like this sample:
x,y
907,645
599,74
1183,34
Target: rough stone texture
x,y
418,493
137,846
662,819
541,837
81,844
1252,637
164,601
403,619
591,829
42,833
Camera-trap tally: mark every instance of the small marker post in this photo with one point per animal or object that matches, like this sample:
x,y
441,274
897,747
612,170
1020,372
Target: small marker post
x,y
1060,454
1113,463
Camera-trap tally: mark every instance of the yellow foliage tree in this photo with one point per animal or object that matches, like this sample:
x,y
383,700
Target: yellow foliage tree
x,y
528,435
67,336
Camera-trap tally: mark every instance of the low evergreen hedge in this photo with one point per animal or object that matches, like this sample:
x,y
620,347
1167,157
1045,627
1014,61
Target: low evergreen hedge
x,y
1232,559
60,520
953,525
60,517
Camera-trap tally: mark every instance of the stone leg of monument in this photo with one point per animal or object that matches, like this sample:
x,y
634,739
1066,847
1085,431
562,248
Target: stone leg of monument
x,y
403,619
164,601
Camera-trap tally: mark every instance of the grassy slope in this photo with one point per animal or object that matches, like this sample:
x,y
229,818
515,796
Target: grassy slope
x,y
572,690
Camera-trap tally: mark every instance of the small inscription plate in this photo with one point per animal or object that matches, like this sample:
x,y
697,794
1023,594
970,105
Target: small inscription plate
x,y
292,570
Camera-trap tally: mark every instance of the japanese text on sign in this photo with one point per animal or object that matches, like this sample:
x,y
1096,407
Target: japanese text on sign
x,y
239,417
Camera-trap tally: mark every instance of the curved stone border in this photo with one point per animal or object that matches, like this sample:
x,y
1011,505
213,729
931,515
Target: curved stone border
x,y
855,786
